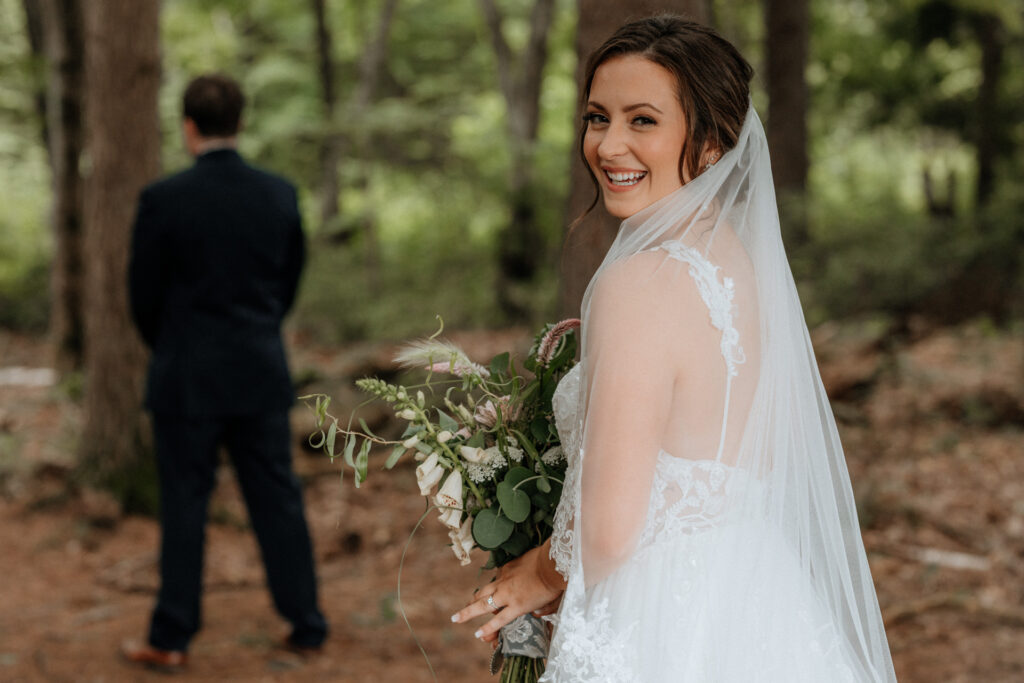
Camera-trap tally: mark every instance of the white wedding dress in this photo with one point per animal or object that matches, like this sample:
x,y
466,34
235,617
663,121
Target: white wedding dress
x,y
654,618
706,529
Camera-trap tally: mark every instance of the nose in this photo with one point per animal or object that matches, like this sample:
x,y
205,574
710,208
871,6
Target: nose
x,y
613,142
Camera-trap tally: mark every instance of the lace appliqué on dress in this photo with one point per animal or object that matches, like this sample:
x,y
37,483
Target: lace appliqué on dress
x,y
564,404
686,496
717,297
589,650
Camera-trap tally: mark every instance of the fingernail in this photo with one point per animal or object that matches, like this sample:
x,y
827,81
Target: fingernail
x,y
478,633
455,618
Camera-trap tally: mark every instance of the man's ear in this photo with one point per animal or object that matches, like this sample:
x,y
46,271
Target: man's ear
x,y
190,131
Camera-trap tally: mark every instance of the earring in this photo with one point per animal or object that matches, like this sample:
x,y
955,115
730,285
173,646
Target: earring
x,y
714,158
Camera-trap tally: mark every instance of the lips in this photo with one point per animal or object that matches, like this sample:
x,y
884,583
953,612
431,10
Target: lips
x,y
623,178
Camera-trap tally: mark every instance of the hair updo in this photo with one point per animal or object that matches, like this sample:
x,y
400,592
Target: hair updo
x,y
712,76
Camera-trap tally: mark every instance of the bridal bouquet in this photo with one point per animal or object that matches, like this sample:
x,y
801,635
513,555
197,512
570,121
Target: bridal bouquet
x,y
490,461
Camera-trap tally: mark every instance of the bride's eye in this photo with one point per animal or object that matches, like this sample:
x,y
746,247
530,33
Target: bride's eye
x,y
595,118
643,121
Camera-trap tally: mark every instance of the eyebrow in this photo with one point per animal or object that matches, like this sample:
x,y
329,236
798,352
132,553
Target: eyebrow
x,y
632,107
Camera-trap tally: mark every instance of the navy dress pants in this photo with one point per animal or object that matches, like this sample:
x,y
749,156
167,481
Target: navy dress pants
x,y
260,450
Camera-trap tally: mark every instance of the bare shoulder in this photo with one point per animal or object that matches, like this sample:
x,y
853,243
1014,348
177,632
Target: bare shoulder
x,y
646,281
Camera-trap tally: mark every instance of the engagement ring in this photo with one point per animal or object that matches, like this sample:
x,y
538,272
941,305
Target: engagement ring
x,y
490,603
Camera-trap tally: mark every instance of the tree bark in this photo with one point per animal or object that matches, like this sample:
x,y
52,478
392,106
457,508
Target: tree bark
x,y
788,30
35,31
587,241
370,67
990,123
331,149
122,71
65,56
520,242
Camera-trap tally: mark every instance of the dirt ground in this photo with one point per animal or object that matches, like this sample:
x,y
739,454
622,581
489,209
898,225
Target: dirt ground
x,y
934,432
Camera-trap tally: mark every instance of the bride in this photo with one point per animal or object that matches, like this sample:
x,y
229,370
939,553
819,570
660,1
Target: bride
x,y
707,530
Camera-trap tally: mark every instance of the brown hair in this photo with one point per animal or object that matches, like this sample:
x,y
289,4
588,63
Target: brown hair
x,y
214,102
712,76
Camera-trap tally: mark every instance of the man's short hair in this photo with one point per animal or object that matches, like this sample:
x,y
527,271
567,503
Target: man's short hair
x,y
214,102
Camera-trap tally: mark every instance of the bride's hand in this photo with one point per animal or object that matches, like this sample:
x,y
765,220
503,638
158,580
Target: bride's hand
x,y
527,584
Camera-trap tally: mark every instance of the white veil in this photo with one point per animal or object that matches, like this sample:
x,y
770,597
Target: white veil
x,y
694,347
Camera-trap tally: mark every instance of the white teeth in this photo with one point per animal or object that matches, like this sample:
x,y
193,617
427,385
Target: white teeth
x,y
628,178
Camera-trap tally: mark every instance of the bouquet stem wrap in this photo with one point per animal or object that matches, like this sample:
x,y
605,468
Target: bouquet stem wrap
x,y
525,638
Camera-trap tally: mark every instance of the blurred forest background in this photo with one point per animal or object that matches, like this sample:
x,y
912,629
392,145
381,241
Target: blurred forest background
x,y
433,145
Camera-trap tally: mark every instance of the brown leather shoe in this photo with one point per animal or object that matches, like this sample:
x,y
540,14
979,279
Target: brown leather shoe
x,y
168,661
303,650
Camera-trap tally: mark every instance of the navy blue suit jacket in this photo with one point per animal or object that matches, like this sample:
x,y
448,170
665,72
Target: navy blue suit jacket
x,y
216,255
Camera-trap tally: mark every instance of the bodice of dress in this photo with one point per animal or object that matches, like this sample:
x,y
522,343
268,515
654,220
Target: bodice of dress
x,y
687,495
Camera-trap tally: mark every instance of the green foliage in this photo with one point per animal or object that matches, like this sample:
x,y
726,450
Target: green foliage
x,y
426,161
24,182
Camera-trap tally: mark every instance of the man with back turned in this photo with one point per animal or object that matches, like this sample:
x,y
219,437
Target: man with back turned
x,y
216,256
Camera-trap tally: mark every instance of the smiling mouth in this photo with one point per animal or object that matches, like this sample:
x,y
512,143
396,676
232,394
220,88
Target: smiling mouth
x,y
624,179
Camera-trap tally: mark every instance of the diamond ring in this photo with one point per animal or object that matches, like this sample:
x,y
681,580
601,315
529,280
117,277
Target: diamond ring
x,y
490,603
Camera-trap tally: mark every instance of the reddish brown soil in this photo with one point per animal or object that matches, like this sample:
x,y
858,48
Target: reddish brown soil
x,y
934,433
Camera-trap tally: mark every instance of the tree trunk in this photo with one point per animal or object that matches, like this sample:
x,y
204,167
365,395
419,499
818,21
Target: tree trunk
x,y
520,242
587,241
65,56
35,30
788,26
370,66
331,149
989,120
122,71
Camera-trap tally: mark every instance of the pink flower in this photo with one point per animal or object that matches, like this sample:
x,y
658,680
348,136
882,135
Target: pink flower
x,y
487,413
549,342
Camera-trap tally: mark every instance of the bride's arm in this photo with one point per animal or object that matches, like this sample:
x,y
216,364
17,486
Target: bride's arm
x,y
633,341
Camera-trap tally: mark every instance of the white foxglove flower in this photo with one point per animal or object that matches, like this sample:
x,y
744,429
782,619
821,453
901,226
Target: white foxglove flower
x,y
462,541
411,441
472,454
444,436
407,414
449,499
428,474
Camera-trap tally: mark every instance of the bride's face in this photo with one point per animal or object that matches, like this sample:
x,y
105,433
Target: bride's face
x,y
635,133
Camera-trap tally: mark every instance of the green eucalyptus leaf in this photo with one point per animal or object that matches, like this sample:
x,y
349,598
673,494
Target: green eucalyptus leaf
x,y
515,503
476,441
543,501
517,544
491,528
516,475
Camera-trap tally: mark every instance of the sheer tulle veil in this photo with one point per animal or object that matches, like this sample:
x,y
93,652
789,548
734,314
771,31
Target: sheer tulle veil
x,y
767,417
